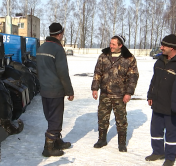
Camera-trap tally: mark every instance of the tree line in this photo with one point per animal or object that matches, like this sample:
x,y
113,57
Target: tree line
x,y
91,23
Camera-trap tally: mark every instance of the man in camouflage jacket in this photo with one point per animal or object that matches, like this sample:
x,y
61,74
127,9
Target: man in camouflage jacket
x,y
116,75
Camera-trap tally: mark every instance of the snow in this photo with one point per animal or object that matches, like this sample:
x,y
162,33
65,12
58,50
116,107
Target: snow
x,y
80,126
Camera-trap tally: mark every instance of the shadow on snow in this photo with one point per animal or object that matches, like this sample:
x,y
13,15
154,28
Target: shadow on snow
x,y
89,121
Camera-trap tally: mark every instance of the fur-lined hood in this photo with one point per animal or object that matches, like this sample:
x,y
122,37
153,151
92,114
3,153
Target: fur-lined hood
x,y
124,51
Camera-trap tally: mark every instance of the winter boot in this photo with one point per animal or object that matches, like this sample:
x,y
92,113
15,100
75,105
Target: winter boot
x,y
102,139
168,163
50,149
60,144
154,157
122,141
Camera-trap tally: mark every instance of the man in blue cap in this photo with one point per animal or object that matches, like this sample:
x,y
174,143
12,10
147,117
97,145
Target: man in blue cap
x,y
159,98
55,83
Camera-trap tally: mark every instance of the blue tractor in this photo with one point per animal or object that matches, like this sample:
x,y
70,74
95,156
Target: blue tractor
x,y
6,103
16,47
32,44
18,80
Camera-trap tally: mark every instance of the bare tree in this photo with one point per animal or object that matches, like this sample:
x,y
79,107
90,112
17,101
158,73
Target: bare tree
x,y
95,21
13,7
130,24
67,7
59,11
116,16
123,19
94,7
54,14
104,28
27,6
136,4
44,30
142,22
159,22
171,16
82,45
71,32
85,16
146,16
153,6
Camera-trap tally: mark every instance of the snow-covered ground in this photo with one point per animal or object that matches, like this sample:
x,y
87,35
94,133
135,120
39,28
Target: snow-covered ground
x,y
80,126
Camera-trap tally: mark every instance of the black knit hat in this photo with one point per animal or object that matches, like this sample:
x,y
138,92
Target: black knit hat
x,y
121,38
169,41
56,28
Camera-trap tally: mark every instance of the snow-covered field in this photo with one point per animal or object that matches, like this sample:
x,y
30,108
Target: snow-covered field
x,y
80,126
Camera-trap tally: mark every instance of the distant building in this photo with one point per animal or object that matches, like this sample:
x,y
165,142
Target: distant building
x,y
65,44
27,26
14,28
71,45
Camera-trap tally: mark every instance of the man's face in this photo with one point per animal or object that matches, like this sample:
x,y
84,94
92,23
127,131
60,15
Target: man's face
x,y
166,50
114,46
60,36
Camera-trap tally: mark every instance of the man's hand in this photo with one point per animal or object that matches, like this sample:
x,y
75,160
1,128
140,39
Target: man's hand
x,y
70,98
150,102
95,94
126,98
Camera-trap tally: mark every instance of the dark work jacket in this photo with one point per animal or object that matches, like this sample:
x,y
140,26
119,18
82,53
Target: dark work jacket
x,y
161,85
173,98
52,70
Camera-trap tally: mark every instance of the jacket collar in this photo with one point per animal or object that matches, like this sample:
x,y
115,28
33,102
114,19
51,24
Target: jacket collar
x,y
124,52
53,39
162,57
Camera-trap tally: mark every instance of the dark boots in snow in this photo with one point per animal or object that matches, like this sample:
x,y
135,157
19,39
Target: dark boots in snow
x,y
122,141
154,157
168,163
60,144
50,148
102,139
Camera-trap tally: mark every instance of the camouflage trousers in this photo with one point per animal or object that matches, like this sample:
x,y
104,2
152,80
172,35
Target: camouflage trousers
x,y
106,105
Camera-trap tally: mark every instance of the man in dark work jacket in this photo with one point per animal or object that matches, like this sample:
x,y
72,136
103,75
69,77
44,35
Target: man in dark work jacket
x,y
55,84
159,98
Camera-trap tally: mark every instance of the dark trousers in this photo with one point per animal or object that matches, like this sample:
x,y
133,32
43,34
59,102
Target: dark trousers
x,y
158,124
53,110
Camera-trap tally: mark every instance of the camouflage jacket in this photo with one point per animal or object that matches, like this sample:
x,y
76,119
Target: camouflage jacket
x,y
115,78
